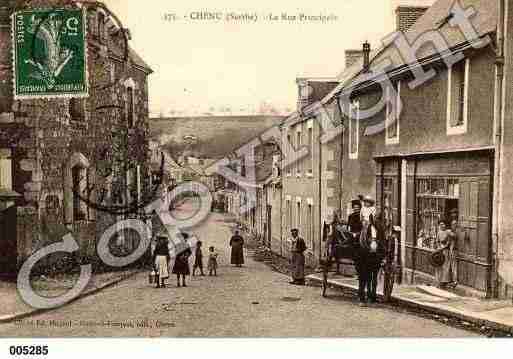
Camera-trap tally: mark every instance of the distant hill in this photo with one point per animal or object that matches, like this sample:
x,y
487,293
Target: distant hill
x,y
209,136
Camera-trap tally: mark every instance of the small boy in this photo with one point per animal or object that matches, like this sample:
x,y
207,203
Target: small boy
x,y
198,260
212,261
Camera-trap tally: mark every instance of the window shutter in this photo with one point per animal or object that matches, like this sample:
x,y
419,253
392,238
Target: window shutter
x,y
457,89
411,236
469,202
5,173
474,218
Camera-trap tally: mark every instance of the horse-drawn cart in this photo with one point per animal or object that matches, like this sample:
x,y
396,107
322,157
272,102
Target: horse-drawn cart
x,y
344,249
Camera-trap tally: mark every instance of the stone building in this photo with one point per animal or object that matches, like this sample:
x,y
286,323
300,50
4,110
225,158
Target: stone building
x,y
52,150
310,184
263,214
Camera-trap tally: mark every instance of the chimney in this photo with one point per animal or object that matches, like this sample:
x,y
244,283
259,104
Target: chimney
x,y
406,16
366,56
6,10
304,93
128,33
352,56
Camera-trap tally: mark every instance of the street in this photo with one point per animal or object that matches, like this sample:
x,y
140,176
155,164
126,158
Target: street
x,y
252,301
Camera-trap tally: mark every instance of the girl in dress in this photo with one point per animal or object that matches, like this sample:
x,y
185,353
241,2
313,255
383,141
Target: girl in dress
x,y
181,267
212,261
198,260
161,260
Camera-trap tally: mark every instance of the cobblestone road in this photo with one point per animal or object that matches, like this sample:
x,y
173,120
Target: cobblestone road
x,y
250,301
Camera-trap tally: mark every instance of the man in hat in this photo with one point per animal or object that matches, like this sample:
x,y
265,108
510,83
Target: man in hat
x,y
298,258
355,220
453,215
335,237
369,208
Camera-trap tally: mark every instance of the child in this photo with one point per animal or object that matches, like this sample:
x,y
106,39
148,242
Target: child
x,y
198,260
212,261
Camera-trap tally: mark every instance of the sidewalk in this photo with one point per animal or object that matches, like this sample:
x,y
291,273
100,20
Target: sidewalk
x,y
12,307
483,313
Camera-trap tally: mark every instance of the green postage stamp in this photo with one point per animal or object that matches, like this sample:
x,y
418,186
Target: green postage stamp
x,y
50,54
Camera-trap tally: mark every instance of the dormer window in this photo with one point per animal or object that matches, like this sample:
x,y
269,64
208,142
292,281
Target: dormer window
x,y
393,112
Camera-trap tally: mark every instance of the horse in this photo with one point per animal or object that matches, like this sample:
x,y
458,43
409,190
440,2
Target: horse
x,y
358,248
368,257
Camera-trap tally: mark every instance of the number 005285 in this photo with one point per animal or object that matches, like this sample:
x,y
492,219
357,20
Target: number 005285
x,y
34,350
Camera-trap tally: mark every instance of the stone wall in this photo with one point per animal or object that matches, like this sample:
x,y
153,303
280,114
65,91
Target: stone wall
x,y
47,141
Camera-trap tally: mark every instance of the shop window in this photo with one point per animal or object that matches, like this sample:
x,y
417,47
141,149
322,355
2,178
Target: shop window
x,y
437,200
392,114
457,98
354,131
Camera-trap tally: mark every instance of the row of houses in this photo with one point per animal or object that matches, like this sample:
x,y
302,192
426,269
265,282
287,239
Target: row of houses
x,y
434,150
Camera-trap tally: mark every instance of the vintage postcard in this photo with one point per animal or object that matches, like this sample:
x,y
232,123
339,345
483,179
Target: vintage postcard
x,y
271,169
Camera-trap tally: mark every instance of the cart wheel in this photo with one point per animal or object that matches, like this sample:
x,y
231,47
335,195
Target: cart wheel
x,y
388,283
325,281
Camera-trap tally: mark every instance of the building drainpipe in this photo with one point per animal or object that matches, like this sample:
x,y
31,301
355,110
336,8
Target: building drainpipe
x,y
282,169
321,222
341,169
498,125
281,213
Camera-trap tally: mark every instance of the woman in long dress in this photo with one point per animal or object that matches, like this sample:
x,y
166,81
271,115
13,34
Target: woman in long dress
x,y
181,266
161,259
440,246
237,244
448,274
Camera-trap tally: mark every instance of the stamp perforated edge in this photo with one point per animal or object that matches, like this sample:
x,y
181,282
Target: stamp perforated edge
x,y
83,94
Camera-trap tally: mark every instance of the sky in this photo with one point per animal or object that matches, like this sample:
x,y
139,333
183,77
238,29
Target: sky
x,y
245,67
